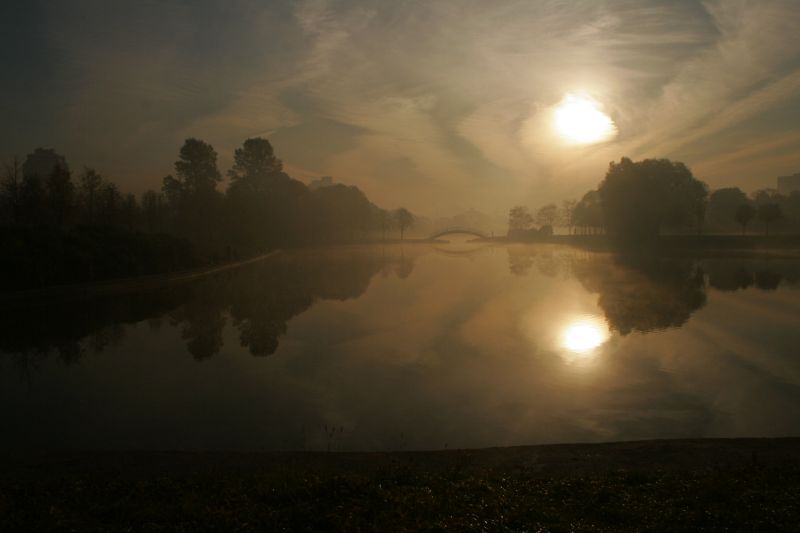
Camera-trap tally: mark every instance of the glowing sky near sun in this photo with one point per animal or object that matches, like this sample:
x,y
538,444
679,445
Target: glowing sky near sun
x,y
438,106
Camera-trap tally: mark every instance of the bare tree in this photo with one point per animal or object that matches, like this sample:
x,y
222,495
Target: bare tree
x,y
519,218
404,220
547,215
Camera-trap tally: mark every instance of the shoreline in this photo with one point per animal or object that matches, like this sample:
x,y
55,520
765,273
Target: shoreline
x,y
118,286
665,485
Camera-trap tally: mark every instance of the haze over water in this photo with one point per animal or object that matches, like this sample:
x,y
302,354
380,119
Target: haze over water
x,y
414,347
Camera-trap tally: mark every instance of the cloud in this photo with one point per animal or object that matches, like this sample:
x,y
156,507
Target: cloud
x,y
445,87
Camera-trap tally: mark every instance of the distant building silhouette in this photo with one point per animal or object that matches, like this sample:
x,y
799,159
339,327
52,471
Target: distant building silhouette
x,y
324,181
789,184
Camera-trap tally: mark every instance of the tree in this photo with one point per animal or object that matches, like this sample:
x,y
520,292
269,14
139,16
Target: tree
x,y
151,208
384,220
642,198
196,167
404,219
253,163
60,192
547,215
130,210
769,213
567,214
519,219
37,169
11,189
109,204
588,213
90,183
41,163
722,206
192,195
744,214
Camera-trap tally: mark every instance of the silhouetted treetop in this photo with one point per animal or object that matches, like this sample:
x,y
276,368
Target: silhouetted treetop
x,y
642,198
253,163
519,219
196,167
41,162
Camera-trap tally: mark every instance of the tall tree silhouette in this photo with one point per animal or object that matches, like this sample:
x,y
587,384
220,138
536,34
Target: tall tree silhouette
x,y
60,192
11,190
89,190
743,215
196,167
37,169
769,213
253,164
642,198
404,220
722,206
193,194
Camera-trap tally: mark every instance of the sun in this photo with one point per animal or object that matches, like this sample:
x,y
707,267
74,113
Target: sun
x,y
583,336
580,120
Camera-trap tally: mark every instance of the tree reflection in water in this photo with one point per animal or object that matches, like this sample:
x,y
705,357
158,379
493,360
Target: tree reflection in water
x,y
258,300
644,293
648,292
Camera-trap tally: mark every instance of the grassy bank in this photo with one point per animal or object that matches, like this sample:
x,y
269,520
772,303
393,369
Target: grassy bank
x,y
742,484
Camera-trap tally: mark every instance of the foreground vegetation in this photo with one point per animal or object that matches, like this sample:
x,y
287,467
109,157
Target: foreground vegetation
x,y
746,484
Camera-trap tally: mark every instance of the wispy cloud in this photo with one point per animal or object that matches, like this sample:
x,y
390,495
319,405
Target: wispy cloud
x,y
434,105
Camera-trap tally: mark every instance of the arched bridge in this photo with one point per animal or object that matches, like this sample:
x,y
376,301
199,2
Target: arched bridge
x,y
458,230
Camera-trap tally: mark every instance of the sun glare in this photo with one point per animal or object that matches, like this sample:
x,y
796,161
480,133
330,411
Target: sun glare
x,y
579,120
584,335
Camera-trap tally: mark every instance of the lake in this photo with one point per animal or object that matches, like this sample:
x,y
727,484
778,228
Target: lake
x,y
414,347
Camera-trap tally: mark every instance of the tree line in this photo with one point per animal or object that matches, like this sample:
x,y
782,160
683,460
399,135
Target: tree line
x,y
44,206
642,199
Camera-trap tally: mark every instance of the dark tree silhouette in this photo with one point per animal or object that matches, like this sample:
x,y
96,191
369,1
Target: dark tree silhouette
x,y
37,169
743,215
642,198
152,209
41,163
567,214
722,206
60,192
643,293
253,164
384,220
89,189
196,167
47,216
404,220
192,195
588,213
769,213
11,191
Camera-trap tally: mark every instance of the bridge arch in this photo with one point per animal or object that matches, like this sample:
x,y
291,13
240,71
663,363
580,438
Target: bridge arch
x,y
458,230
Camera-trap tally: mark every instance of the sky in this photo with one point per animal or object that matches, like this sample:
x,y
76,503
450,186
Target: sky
x,y
436,106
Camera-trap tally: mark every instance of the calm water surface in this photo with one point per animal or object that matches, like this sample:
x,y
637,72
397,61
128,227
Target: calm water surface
x,y
415,347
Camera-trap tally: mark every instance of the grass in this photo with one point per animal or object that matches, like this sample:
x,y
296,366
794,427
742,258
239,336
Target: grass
x,y
715,485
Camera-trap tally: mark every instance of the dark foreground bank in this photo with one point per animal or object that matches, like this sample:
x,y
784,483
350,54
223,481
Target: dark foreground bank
x,y
743,484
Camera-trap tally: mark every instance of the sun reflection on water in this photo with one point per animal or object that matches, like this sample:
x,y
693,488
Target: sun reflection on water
x,y
583,335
